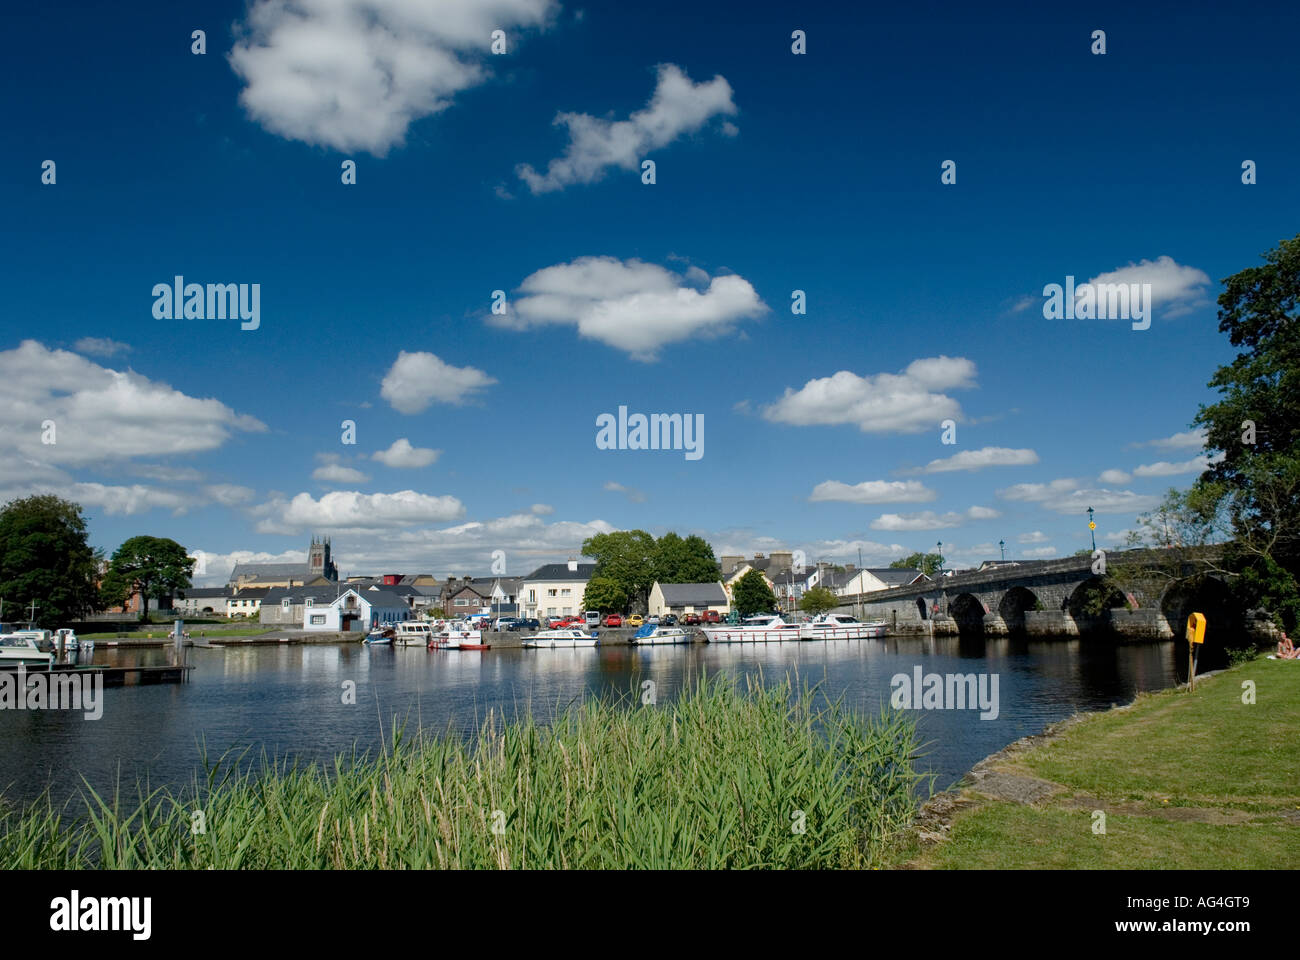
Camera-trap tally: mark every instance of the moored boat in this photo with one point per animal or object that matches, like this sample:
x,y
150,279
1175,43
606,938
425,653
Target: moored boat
x,y
653,633
841,626
17,648
761,629
380,637
413,633
458,635
562,638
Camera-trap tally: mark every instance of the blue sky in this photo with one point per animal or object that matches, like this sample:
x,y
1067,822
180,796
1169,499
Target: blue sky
x,y
774,172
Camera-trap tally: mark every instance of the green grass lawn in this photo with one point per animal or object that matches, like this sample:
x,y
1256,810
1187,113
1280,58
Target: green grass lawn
x,y
1198,781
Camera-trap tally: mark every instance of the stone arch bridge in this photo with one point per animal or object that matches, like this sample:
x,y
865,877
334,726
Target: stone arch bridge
x,y
1142,594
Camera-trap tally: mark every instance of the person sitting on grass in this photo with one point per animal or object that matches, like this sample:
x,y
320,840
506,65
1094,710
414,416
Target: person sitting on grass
x,y
1286,650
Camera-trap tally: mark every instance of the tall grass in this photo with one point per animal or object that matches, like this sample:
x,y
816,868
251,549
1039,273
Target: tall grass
x,y
764,777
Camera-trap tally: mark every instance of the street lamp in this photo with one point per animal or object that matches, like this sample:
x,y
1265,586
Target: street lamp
x,y
1002,545
939,568
1092,529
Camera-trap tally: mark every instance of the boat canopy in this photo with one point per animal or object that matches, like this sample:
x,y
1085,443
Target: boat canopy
x,y
647,631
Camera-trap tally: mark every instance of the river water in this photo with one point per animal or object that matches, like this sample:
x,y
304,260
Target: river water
x,y
289,699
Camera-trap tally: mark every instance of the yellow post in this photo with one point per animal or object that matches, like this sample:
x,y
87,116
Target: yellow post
x,y
1195,637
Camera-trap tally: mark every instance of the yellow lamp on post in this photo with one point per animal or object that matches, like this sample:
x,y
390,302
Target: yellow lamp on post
x,y
1195,637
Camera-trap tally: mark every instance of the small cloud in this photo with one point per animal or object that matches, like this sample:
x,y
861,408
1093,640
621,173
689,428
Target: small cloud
x,y
872,491
419,379
1036,536
542,509
633,495
979,459
100,346
402,455
337,474
1114,476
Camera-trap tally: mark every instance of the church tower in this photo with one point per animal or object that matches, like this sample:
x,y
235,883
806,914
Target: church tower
x,y
319,562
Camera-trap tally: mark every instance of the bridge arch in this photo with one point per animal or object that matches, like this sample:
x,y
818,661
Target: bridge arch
x,y
921,610
968,610
1094,597
1013,606
1225,620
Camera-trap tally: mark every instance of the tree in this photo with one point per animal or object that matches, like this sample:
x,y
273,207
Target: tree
x,y
604,594
155,566
45,557
689,560
1254,428
818,600
752,595
626,557
927,563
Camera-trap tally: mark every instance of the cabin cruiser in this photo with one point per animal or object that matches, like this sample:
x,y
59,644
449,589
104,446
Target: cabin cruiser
x,y
22,648
562,638
412,633
761,629
380,637
840,626
654,633
65,638
458,635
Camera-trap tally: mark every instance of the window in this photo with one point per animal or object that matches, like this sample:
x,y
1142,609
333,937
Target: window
x,y
308,602
532,596
566,593
318,619
284,604
552,593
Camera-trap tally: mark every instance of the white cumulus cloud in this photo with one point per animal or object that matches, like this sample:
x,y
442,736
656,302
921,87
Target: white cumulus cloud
x,y
906,402
678,106
354,74
1175,289
929,520
872,491
401,454
416,380
1068,495
349,510
631,305
981,458
339,475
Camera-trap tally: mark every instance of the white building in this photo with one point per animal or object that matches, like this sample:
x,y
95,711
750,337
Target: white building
x,y
354,610
682,598
555,590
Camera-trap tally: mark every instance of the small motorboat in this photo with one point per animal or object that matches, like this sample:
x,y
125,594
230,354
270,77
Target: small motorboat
x,y
841,626
413,633
653,633
65,638
380,637
562,638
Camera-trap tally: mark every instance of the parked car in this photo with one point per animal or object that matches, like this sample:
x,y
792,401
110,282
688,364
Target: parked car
x,y
592,619
668,620
652,621
553,623
635,620
504,623
711,616
571,623
525,623
691,620
613,620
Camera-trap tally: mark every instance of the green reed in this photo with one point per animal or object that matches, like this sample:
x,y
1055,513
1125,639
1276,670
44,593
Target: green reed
x,y
722,777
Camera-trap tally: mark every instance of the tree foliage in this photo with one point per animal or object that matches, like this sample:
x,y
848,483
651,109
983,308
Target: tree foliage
x,y
685,560
632,560
45,556
604,594
927,563
752,595
1254,428
155,566
818,600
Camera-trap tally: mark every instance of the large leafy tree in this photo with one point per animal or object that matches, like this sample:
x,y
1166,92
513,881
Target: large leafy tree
x,y
818,600
927,563
45,557
685,560
752,595
155,566
627,557
1255,428
604,594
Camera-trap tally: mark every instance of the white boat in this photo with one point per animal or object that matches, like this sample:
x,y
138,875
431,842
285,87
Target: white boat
x,y
412,633
379,637
19,648
840,626
65,638
762,629
653,633
455,635
561,638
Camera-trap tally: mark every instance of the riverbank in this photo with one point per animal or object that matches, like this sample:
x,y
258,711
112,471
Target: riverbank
x,y
1176,780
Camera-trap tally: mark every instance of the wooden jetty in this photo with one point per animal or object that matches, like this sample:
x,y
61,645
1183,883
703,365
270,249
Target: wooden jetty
x,y
112,676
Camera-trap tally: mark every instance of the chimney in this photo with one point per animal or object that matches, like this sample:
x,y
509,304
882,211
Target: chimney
x,y
758,556
573,565
729,562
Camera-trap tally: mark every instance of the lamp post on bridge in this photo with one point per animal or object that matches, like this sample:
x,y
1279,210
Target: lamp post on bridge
x,y
1092,529
1002,545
